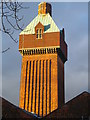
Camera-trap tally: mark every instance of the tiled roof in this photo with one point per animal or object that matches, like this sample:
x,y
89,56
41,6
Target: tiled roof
x,y
45,20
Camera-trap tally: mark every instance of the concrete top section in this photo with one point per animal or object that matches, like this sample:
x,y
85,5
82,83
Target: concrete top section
x,y
46,20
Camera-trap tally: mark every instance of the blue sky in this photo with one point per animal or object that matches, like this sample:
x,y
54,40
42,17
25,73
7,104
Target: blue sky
x,y
74,18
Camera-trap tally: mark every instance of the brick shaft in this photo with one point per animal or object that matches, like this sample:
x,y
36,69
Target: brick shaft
x,y
39,89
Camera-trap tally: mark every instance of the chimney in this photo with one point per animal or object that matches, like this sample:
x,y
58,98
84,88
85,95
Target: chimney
x,y
44,8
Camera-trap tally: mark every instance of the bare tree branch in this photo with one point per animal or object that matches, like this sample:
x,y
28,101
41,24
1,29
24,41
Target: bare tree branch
x,y
10,20
5,50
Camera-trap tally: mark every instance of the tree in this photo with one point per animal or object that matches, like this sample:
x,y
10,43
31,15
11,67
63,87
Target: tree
x,y
9,15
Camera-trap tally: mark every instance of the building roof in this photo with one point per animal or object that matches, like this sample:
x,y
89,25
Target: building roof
x,y
78,107
45,20
11,111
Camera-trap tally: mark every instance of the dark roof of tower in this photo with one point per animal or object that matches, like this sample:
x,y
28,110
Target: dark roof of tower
x,y
77,107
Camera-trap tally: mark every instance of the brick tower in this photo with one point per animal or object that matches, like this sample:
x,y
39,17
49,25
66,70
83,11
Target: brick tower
x,y
44,52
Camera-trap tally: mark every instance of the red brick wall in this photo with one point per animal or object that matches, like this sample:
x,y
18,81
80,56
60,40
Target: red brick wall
x,y
60,82
30,41
51,101
48,40
63,47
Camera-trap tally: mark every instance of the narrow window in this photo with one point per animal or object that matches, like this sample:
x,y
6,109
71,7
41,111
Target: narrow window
x,y
39,87
25,85
46,82
36,84
50,86
29,86
39,33
32,86
43,88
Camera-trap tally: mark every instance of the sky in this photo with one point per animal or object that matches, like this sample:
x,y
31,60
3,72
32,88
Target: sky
x,y
73,17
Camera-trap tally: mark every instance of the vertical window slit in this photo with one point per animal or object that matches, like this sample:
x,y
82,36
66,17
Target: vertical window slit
x,y
32,86
42,87
36,85
25,85
29,86
50,86
46,83
39,87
